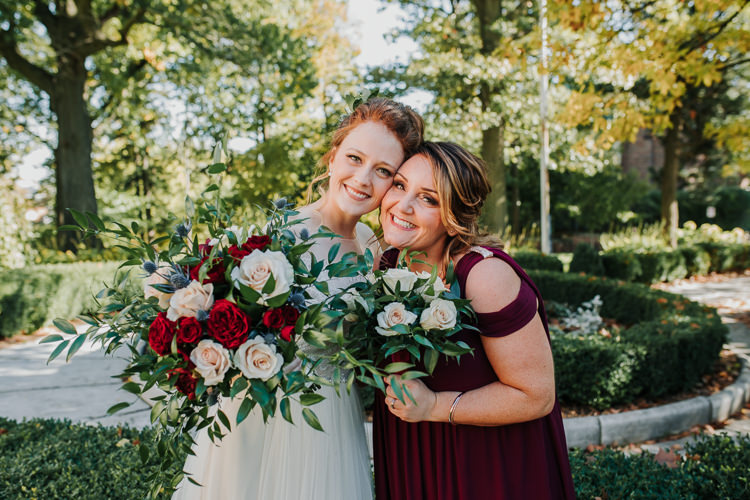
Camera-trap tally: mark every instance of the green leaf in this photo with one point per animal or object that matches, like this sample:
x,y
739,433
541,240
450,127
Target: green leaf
x,y
286,410
412,374
311,419
245,407
51,338
75,346
60,348
217,168
310,399
64,326
96,220
430,360
132,387
270,285
115,408
68,227
79,217
239,385
143,452
224,420
156,410
333,252
399,366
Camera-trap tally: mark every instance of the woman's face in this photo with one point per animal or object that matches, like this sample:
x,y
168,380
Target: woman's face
x,y
410,211
362,168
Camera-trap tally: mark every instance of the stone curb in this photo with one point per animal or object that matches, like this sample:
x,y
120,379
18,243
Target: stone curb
x,y
653,423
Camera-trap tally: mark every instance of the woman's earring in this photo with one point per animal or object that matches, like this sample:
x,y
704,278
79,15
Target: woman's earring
x,y
330,172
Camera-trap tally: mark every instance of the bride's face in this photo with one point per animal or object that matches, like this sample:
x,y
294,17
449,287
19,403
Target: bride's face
x,y
410,212
362,168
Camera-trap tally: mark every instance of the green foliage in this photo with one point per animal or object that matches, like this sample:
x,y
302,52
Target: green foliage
x,y
33,296
669,339
712,467
536,260
586,259
621,264
54,459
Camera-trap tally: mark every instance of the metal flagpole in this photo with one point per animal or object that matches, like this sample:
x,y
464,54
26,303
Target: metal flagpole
x,y
544,154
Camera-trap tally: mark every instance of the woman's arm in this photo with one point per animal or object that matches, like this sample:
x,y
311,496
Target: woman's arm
x,y
522,361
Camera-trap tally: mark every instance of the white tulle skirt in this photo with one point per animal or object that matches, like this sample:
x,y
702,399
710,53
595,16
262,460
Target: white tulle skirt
x,y
282,461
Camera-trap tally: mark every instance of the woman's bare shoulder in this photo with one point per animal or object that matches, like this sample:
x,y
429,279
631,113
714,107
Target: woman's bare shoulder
x,y
491,285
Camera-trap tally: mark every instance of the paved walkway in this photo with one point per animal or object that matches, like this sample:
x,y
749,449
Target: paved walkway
x,y
84,389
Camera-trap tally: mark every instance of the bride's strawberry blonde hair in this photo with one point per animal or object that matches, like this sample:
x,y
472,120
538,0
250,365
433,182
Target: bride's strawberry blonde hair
x,y
462,184
405,123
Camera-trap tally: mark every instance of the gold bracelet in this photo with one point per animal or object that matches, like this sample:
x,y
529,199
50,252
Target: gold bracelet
x,y
453,408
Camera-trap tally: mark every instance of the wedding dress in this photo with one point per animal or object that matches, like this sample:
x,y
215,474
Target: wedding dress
x,y
278,460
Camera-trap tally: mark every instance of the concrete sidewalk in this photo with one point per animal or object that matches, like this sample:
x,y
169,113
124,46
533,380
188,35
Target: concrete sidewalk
x,y
81,390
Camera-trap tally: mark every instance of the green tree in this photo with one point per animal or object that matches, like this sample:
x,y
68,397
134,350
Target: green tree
x,y
634,65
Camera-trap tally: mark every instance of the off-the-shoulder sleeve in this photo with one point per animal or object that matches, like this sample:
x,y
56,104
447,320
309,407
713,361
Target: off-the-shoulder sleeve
x,y
389,258
512,317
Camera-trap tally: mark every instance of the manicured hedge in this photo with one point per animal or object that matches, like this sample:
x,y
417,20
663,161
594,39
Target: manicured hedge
x,y
537,260
668,344
32,297
712,467
52,459
48,459
653,266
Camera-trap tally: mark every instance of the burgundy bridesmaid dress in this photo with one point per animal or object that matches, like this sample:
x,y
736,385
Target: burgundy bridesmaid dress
x,y
439,461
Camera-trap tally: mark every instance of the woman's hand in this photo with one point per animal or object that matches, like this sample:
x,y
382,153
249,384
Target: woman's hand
x,y
410,411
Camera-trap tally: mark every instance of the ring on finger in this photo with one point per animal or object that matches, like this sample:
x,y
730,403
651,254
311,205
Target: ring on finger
x,y
393,403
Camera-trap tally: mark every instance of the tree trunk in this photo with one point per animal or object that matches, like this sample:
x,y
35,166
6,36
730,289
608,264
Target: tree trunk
x,y
74,177
669,175
496,207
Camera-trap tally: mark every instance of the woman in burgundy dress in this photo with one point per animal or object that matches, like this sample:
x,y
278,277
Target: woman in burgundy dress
x,y
489,427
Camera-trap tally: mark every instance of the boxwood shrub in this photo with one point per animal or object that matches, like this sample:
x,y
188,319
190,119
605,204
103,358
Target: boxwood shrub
x,y
32,297
53,459
667,345
536,260
50,459
653,266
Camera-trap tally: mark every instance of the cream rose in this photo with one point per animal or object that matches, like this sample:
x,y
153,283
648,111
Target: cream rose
x,y
211,360
441,315
186,302
256,359
405,278
430,292
393,314
158,278
255,269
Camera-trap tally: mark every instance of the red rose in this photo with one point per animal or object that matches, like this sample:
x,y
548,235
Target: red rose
x,y
189,331
253,243
290,315
215,274
274,318
160,334
287,333
186,382
205,248
227,324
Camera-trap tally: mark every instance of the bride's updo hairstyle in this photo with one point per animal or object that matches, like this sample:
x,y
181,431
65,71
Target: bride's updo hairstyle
x,y
400,119
462,186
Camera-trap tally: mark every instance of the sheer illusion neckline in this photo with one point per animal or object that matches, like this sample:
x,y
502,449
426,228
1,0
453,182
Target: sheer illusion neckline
x,y
319,222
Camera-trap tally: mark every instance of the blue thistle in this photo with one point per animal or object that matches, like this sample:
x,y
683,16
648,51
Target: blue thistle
x,y
149,266
304,234
280,203
269,338
201,315
297,299
183,229
179,280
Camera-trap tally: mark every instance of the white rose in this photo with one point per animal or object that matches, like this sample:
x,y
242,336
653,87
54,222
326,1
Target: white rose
x,y
393,314
158,278
371,278
186,302
441,315
352,299
211,361
430,292
255,269
256,359
404,277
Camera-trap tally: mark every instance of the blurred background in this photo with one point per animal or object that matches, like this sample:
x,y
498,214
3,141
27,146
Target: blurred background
x,y
114,107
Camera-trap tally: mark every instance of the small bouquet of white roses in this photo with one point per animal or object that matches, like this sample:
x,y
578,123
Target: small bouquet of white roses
x,y
398,321
220,318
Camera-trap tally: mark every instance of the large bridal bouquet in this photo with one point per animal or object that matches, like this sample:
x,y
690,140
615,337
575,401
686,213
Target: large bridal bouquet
x,y
397,321
219,314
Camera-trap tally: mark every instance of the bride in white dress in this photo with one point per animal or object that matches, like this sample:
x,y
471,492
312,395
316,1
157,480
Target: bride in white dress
x,y
277,460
